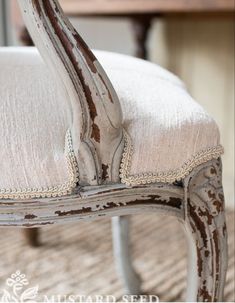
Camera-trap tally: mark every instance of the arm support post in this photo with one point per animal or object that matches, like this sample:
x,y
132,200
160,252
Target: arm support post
x,y
97,116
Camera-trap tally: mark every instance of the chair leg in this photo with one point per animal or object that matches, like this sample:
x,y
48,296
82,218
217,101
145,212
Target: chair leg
x,y
141,26
122,254
32,236
206,226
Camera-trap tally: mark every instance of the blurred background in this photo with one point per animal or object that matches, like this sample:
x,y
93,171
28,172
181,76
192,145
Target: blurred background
x,y
195,40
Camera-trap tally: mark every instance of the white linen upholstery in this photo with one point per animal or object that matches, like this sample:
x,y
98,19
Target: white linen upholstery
x,y
170,132
34,119
168,129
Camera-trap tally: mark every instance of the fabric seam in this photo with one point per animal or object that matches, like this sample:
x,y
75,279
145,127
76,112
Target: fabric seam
x,y
165,176
53,191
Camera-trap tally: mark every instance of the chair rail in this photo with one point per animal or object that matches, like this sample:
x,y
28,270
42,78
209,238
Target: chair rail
x,y
94,202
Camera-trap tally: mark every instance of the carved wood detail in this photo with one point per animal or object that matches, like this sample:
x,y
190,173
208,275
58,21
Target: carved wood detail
x,y
97,116
199,206
205,216
98,142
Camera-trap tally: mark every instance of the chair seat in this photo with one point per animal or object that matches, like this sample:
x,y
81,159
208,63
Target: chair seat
x,y
167,133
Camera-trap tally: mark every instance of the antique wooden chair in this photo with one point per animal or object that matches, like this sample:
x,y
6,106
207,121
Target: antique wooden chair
x,y
68,154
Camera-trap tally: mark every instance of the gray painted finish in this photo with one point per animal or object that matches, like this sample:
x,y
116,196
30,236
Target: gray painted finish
x,y
198,203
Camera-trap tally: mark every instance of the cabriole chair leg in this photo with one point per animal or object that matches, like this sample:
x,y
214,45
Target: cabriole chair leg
x,y
206,227
122,255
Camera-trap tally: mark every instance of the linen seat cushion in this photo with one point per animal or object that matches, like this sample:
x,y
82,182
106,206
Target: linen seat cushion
x,y
170,133
167,133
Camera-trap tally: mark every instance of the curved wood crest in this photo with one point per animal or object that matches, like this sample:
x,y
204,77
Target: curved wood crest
x,y
97,116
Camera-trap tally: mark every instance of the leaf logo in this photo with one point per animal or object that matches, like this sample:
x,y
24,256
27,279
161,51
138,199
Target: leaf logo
x,y
16,291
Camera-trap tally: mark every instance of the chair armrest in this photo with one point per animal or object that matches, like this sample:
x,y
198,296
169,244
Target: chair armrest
x,y
97,117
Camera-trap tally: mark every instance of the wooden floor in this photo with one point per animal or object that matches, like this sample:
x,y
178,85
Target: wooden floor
x,y
77,259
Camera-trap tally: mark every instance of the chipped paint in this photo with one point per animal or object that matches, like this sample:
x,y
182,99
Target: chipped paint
x,y
206,218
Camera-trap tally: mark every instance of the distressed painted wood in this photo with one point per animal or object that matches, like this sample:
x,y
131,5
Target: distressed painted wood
x,y
97,116
93,202
205,221
197,202
199,206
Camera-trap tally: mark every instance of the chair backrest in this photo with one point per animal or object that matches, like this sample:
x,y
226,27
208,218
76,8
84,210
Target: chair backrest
x,y
97,117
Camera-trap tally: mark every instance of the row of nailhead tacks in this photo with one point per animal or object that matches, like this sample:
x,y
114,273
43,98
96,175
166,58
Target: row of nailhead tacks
x,y
48,192
165,177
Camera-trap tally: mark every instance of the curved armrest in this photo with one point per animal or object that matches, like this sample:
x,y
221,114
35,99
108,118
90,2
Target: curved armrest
x,y
97,116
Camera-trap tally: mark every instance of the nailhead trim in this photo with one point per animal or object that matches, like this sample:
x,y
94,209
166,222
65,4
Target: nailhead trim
x,y
167,176
48,192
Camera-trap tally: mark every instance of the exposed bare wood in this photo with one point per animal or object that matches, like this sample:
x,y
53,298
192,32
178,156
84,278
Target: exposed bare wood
x,y
200,206
97,116
92,203
98,140
205,219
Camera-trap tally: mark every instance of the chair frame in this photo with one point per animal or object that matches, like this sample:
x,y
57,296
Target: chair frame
x,y
197,202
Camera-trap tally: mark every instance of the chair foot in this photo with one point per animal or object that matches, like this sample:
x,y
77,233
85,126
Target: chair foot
x,y
122,254
32,236
206,228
